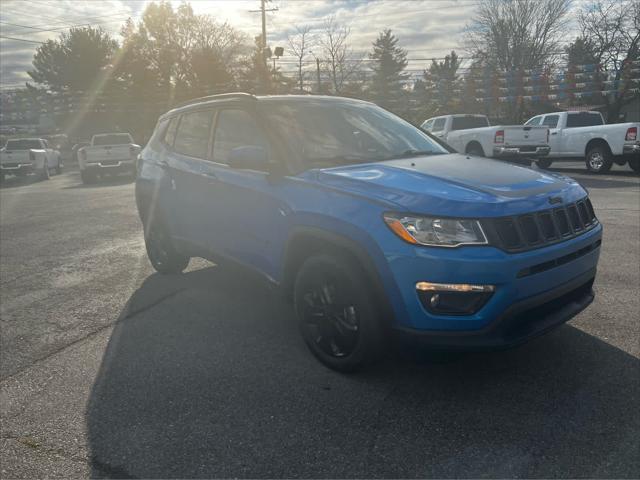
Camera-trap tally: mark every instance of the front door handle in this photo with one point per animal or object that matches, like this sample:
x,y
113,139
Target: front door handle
x,y
554,133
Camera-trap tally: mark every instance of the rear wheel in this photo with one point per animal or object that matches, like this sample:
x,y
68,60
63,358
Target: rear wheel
x,y
475,149
45,174
634,163
161,252
544,163
88,177
598,159
337,314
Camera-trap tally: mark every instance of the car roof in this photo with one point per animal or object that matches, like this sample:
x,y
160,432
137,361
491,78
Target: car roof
x,y
240,97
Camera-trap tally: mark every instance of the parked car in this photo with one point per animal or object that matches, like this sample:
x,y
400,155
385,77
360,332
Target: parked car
x,y
584,136
21,156
367,224
473,135
108,154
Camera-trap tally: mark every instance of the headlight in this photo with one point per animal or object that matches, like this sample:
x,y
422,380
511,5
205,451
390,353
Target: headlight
x,y
436,232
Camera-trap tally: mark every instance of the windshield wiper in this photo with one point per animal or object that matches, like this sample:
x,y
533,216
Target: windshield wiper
x,y
416,153
339,160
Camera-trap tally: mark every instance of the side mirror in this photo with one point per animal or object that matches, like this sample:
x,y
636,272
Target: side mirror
x,y
249,157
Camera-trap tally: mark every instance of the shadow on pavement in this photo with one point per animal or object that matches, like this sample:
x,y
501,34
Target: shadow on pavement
x,y
103,182
205,376
20,181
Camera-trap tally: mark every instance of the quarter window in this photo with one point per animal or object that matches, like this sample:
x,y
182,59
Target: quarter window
x,y
170,132
235,128
192,137
438,124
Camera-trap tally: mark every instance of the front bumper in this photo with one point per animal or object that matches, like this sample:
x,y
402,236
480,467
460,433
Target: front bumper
x,y
520,151
631,148
517,277
112,166
519,323
17,168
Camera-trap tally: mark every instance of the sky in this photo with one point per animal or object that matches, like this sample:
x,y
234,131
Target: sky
x,y
426,28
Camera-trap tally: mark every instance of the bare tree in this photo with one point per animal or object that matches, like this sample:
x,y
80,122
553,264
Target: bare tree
x,y
299,44
340,60
517,33
613,30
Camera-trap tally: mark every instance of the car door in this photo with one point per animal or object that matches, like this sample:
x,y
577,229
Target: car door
x,y
555,134
187,168
246,218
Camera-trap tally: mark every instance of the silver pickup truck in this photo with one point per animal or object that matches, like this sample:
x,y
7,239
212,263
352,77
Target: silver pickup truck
x,y
21,156
108,153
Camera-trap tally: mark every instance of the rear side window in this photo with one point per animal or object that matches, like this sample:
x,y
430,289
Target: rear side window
x,y
550,121
235,128
535,121
438,124
170,132
192,137
462,123
583,119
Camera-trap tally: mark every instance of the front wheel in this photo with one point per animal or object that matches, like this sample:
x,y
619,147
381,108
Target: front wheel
x,y
161,252
598,159
337,314
544,163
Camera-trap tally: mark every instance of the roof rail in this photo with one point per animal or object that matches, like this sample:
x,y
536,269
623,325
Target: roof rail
x,y
220,96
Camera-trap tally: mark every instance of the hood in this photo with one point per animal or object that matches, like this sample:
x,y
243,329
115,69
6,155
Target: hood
x,y
453,185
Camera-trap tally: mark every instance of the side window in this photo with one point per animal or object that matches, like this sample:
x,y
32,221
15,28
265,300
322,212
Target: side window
x,y
45,144
427,125
192,137
535,121
550,121
170,132
235,128
438,124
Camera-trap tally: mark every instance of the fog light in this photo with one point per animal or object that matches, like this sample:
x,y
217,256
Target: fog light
x,y
453,298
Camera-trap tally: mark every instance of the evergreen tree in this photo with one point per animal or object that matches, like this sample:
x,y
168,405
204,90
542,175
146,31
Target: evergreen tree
x,y
389,62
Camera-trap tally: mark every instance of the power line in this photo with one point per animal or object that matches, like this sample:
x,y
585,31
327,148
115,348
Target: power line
x,y
21,40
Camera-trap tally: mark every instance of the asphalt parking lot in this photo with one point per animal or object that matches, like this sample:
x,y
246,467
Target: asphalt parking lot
x,y
110,370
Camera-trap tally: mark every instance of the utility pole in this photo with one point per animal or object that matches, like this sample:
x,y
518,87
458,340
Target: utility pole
x,y
263,11
318,73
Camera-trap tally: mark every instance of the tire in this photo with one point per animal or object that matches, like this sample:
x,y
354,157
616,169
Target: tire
x,y
598,159
337,314
88,178
475,150
544,163
634,164
161,252
45,174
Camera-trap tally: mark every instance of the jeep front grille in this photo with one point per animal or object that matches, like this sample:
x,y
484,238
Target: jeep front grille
x,y
539,229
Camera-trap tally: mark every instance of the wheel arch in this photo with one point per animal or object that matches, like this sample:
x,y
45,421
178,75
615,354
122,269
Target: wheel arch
x,y
597,142
472,144
306,241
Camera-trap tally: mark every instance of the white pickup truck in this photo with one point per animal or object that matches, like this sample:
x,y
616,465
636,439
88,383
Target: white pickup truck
x,y
108,153
584,136
21,156
473,135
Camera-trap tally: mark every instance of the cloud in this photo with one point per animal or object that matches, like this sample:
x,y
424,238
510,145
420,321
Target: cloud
x,y
426,28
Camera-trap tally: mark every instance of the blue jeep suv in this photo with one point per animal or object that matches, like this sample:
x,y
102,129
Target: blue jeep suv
x,y
368,224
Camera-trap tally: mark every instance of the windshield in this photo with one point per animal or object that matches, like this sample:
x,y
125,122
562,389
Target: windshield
x,y
112,139
24,144
333,133
463,123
